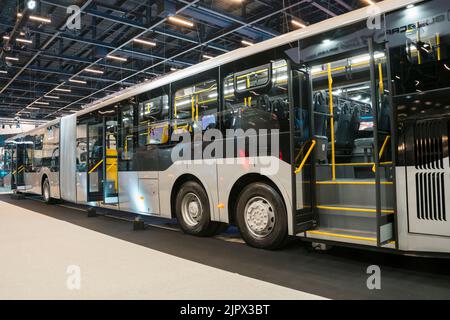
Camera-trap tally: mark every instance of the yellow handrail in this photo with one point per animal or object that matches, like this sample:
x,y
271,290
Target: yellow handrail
x,y
330,92
381,151
95,167
313,143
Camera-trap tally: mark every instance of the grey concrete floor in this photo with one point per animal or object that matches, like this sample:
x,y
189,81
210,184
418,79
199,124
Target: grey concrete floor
x,y
339,273
46,258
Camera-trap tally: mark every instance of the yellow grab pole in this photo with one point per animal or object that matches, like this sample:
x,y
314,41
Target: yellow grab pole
x,y
193,108
438,46
249,99
419,56
330,92
380,72
196,108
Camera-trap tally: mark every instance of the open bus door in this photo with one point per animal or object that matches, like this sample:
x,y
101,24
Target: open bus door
x,y
102,169
342,160
19,162
302,143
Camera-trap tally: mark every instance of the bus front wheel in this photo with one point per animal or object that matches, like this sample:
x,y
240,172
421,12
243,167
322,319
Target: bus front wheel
x,y
193,211
261,217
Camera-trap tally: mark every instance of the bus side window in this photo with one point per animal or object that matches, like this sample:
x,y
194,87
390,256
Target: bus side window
x,y
153,121
257,98
196,107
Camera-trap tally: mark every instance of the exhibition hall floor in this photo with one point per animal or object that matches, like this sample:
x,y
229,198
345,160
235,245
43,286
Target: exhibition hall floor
x,y
57,252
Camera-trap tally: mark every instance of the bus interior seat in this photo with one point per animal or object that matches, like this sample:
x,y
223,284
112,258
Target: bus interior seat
x,y
347,128
263,103
363,150
320,126
321,110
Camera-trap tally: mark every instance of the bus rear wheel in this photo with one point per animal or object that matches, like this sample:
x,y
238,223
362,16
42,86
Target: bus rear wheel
x,y
261,217
46,193
193,211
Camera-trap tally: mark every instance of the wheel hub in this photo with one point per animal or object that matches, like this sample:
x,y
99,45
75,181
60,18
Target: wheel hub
x,y
191,209
259,217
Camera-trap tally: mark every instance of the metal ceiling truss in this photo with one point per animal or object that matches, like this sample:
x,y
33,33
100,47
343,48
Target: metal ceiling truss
x,y
52,69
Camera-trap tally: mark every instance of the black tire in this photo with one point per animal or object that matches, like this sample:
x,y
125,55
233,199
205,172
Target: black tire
x,y
269,214
194,222
46,191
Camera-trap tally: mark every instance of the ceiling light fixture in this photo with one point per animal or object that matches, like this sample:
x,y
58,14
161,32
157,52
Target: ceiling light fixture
x,y
93,71
3,71
298,24
36,18
146,42
110,56
19,40
62,90
42,103
181,21
12,58
77,81
247,43
51,97
31,4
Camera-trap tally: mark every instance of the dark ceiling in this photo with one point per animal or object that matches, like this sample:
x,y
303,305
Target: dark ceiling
x,y
37,86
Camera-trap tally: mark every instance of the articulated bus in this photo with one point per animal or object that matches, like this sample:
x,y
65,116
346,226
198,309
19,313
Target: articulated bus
x,y
359,105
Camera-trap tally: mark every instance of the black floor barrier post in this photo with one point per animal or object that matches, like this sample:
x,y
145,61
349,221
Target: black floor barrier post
x,y
138,224
91,212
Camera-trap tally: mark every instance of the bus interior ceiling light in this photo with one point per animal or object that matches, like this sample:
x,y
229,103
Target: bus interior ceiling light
x,y
63,90
12,58
181,21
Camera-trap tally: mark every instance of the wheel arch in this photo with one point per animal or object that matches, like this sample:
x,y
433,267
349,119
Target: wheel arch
x,y
244,181
176,187
44,176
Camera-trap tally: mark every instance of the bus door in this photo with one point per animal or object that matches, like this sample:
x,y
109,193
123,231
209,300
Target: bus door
x,y
303,143
95,161
110,163
342,147
7,164
19,166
